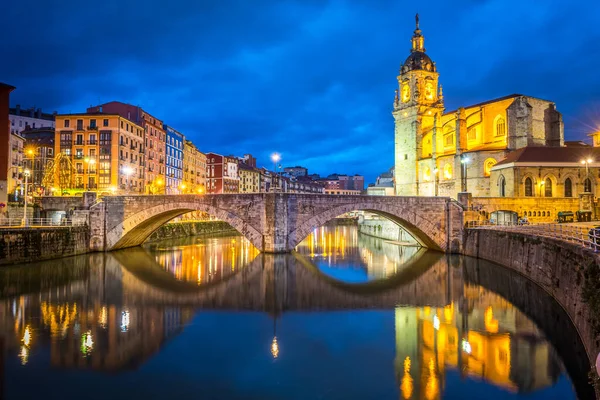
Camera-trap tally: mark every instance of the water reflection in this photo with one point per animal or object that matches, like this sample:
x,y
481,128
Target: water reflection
x,y
452,330
203,260
342,252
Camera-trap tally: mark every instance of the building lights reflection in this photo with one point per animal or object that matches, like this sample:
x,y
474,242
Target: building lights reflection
x,y
124,321
275,347
24,355
102,319
209,261
87,343
407,382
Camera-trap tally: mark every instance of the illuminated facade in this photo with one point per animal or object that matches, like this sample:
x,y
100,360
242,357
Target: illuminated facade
x,y
222,174
98,151
249,178
174,161
194,169
440,152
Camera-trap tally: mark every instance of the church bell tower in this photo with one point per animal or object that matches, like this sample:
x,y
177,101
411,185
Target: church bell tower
x,y
418,108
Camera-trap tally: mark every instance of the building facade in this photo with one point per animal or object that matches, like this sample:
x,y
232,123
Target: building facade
x,y
249,178
16,179
222,174
153,156
439,152
39,157
194,169
174,151
31,118
98,151
296,171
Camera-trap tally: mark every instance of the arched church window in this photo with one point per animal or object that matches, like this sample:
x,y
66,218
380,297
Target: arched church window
x,y
568,188
528,187
502,186
587,185
500,127
429,91
427,174
487,166
472,134
448,171
548,188
448,136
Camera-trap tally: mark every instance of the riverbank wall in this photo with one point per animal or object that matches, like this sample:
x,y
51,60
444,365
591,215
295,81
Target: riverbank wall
x,y
20,245
385,229
183,229
568,272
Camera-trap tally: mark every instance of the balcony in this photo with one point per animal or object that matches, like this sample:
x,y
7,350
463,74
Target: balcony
x,y
79,143
78,156
92,142
79,128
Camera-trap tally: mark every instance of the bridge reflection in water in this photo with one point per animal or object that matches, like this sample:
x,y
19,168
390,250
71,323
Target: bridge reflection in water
x,y
111,312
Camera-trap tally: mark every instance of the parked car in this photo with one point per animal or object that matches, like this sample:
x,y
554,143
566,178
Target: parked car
x,y
524,220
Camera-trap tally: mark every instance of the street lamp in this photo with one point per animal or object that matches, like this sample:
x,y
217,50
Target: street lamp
x,y
435,180
275,157
586,162
182,187
127,171
464,160
26,173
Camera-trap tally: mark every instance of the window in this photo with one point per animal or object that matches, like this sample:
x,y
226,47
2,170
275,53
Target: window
x,y
548,187
587,185
67,123
568,188
502,186
92,123
500,126
487,166
472,134
105,122
528,187
448,139
80,124
448,171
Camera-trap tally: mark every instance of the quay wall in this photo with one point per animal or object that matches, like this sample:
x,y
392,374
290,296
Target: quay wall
x,y
183,229
20,245
566,271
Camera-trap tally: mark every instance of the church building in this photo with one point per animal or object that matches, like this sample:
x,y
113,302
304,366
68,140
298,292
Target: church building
x,y
439,152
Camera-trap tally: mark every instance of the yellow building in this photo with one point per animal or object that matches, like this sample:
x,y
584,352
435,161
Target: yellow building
x,y
194,169
97,151
249,178
440,152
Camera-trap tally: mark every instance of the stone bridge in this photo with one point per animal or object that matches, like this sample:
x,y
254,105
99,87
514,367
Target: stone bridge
x,y
272,222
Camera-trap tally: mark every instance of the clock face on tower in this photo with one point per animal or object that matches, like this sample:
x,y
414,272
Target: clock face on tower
x,y
405,93
429,91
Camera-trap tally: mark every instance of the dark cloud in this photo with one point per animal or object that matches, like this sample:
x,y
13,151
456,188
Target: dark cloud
x,y
313,80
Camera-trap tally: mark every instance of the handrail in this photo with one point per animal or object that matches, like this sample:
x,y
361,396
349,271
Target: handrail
x,y
38,222
586,236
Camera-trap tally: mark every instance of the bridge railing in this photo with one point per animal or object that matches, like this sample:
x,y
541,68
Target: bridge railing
x,y
586,236
37,222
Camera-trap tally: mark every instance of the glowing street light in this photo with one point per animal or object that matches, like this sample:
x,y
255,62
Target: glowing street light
x,y
587,162
275,347
275,157
182,187
464,160
128,171
26,173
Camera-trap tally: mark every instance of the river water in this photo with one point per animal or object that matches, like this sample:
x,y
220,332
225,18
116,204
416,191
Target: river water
x,y
347,316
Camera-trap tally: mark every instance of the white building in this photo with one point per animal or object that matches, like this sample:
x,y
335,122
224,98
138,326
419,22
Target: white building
x,y
31,117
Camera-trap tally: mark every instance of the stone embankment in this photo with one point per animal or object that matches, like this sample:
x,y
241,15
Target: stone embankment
x,y
568,272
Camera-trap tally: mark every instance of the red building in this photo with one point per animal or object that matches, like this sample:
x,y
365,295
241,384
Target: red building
x,y
222,174
155,140
4,143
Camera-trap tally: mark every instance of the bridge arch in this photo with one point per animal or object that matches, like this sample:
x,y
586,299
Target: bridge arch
x,y
137,227
428,229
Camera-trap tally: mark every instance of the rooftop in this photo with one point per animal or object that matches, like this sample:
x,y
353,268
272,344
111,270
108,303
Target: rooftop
x,y
510,96
533,154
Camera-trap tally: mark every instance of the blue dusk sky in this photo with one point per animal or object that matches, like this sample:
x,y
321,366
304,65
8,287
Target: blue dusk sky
x,y
311,79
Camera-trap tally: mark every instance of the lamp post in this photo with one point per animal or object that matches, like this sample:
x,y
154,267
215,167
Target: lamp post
x,y
275,157
464,160
587,162
435,181
127,171
26,173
